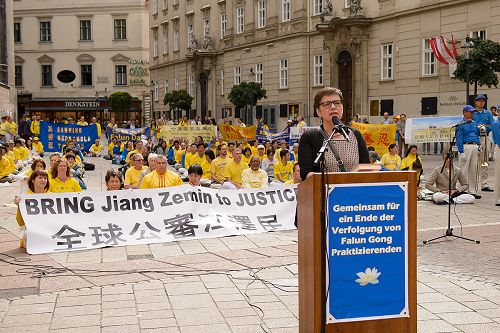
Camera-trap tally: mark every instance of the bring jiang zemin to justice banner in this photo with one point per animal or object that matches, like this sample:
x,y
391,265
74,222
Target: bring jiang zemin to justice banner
x,y
88,220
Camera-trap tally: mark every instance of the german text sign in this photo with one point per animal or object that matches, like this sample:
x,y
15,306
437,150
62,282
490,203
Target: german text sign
x,y
367,252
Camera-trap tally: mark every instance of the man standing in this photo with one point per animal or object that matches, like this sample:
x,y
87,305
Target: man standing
x,y
82,121
11,129
400,128
35,126
483,117
495,128
161,177
94,121
3,129
386,120
254,177
467,144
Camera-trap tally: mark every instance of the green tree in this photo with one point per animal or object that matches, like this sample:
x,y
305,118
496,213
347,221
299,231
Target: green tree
x,y
178,100
483,63
120,101
246,93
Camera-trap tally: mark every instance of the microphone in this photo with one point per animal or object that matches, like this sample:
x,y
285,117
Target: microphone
x,y
463,122
340,128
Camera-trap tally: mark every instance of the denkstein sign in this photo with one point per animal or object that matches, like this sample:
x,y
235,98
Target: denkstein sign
x,y
82,104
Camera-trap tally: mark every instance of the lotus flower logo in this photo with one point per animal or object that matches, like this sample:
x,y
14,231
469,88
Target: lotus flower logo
x,y
369,276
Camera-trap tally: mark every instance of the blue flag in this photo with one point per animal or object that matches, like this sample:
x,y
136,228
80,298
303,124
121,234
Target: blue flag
x,y
125,134
53,136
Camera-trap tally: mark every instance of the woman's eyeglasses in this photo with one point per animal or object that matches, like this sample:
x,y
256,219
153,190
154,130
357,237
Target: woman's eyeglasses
x,y
328,104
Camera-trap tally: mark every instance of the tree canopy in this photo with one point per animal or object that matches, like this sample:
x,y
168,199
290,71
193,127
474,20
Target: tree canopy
x,y
178,100
120,101
483,63
246,93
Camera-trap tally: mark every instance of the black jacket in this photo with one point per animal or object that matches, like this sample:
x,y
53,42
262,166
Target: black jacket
x,y
310,144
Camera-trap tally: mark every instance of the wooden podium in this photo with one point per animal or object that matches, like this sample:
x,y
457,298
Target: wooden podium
x,y
311,300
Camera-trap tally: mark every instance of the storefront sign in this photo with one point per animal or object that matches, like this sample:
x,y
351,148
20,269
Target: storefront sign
x,y
82,105
367,275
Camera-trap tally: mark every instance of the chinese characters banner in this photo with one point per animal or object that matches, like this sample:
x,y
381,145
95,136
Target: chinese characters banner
x,y
430,129
189,132
53,136
87,220
379,136
237,133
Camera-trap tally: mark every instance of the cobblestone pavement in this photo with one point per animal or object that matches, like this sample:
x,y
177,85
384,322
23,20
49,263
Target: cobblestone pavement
x,y
232,284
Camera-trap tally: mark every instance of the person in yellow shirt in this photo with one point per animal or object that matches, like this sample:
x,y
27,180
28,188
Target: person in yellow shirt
x,y
94,121
111,145
61,180
282,146
189,155
133,174
183,121
283,169
199,158
254,147
137,149
38,146
232,171
246,155
230,149
410,157
96,149
82,122
391,160
35,126
11,129
179,153
254,177
3,128
295,175
217,167
261,153
5,167
161,177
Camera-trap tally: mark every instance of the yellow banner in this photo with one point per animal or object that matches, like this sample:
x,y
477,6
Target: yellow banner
x,y
174,132
237,133
379,136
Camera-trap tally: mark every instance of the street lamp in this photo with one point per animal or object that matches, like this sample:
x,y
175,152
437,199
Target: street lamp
x,y
467,46
152,87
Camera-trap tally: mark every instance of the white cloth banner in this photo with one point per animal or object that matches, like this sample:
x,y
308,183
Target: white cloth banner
x,y
87,220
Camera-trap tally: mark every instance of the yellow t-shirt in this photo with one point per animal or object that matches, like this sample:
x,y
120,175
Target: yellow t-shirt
x,y
285,171
127,159
254,179
155,180
4,167
132,176
38,147
255,151
96,149
35,127
12,128
82,123
188,160
245,160
110,148
98,129
178,155
25,153
217,168
12,165
391,162
407,161
58,186
233,171
296,155
17,153
196,159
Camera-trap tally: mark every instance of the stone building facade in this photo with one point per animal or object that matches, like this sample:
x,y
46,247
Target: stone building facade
x,y
70,56
7,89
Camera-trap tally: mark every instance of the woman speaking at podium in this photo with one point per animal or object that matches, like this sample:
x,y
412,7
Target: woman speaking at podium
x,y
348,142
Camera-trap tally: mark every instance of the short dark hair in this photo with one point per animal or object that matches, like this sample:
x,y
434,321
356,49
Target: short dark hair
x,y
327,91
113,173
36,161
295,165
201,144
176,141
210,154
195,169
392,145
283,152
35,174
69,155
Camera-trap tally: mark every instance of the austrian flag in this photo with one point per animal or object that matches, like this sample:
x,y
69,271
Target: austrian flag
x,y
441,49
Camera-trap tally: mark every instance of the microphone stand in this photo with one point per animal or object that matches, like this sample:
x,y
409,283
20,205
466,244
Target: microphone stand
x,y
449,230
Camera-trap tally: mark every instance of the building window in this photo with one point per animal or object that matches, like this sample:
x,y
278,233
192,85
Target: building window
x,y
177,83
240,20
191,85
237,75
155,44
284,73
386,66
429,59
481,34
223,25
17,32
165,87
285,10
45,35
175,2
165,39
165,4
318,70
176,39
347,3
120,26
46,75
19,75
120,75
154,7
261,13
190,35
86,74
206,28
259,73
155,91
222,82
85,30
318,7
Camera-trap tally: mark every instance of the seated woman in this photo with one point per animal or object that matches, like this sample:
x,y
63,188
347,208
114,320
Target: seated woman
x,y
410,157
114,180
246,156
76,170
391,160
38,183
61,180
